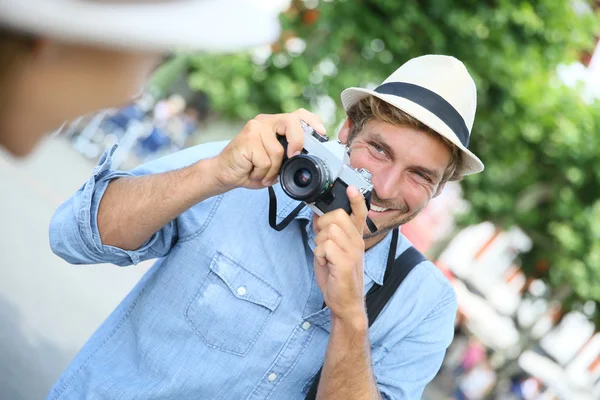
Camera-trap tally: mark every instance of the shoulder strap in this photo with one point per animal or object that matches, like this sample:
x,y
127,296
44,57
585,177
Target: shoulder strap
x,y
378,296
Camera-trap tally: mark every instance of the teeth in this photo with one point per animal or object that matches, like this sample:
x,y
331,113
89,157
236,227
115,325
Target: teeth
x,y
378,209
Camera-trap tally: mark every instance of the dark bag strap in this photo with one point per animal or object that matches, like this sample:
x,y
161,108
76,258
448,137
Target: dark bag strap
x,y
396,271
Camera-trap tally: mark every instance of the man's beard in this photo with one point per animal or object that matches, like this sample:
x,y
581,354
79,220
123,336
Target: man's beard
x,y
387,226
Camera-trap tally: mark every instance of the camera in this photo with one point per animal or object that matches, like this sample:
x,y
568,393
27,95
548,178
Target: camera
x,y
319,177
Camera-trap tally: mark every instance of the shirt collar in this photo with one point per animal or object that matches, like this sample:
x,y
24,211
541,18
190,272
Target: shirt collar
x,y
376,257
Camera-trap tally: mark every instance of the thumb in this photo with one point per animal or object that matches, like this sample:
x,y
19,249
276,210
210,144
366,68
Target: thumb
x,y
359,207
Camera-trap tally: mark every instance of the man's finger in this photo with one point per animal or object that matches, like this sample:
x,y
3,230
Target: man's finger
x,y
330,253
287,125
322,250
311,119
316,224
321,260
344,221
260,161
275,153
337,235
359,207
290,126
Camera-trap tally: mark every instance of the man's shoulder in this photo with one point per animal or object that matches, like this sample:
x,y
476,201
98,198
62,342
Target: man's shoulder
x,y
436,283
430,287
434,276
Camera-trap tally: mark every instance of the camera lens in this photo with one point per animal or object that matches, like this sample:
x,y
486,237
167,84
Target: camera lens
x,y
305,177
302,177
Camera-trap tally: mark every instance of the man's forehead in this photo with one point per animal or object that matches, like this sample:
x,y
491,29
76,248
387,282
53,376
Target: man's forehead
x,y
384,129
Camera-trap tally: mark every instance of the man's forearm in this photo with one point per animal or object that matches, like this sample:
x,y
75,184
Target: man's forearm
x,y
132,209
347,372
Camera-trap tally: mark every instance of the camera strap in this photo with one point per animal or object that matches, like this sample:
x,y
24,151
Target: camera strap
x,y
397,269
286,221
273,212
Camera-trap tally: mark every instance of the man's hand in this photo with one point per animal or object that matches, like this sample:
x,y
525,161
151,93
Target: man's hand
x,y
339,259
252,160
339,265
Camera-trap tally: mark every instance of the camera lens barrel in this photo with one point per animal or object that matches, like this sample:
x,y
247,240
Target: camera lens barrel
x,y
304,177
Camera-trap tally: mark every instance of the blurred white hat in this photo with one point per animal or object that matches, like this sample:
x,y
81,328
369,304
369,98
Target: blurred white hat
x,y
148,25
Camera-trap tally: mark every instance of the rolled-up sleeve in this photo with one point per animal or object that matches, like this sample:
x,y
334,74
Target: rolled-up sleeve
x,y
413,362
74,234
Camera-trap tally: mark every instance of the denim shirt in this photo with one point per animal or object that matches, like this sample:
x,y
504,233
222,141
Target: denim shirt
x,y
231,309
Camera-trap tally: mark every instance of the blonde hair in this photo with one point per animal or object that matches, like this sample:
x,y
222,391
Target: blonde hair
x,y
15,49
373,108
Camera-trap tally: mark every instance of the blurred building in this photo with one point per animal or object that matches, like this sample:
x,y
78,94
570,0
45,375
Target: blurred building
x,y
518,319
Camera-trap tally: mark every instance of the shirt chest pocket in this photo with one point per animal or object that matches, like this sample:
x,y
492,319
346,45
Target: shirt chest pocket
x,y
232,306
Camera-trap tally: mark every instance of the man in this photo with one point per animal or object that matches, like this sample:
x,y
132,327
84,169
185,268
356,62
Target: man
x,y
234,309
60,59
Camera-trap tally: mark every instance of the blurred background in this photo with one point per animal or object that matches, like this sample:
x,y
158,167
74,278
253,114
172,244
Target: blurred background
x,y
519,242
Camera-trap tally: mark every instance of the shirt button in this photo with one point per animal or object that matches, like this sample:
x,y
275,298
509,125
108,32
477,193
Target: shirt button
x,y
306,325
272,377
241,291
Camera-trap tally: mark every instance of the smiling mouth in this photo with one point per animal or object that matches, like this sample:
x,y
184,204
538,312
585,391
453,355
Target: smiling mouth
x,y
378,209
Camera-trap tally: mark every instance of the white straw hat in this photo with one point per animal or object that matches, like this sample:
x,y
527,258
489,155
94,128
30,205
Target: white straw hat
x,y
438,91
147,25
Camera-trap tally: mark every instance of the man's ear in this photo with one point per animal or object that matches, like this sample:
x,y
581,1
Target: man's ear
x,y
345,131
439,189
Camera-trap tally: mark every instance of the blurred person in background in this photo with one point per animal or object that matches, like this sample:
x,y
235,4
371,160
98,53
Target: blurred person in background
x,y
151,137
60,59
474,353
477,382
234,309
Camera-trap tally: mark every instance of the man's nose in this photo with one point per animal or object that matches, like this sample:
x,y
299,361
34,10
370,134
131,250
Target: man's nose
x,y
387,185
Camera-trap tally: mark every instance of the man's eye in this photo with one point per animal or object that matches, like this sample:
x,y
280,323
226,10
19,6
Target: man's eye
x,y
378,148
423,176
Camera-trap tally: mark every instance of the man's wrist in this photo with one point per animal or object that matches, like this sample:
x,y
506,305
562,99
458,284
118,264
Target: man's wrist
x,y
356,322
206,178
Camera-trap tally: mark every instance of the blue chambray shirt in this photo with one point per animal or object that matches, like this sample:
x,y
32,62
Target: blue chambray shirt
x,y
231,309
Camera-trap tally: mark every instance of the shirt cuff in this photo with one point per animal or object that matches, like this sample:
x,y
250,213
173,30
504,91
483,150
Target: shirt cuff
x,y
87,214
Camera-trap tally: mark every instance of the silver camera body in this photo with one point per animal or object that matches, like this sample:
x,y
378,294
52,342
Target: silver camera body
x,y
319,177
